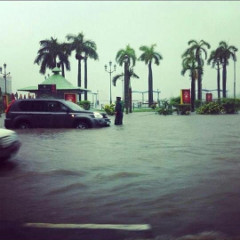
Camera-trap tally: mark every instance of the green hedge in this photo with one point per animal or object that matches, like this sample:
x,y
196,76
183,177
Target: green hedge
x,y
211,108
225,105
85,104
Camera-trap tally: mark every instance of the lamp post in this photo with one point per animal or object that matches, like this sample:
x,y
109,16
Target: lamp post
x,y
4,76
110,74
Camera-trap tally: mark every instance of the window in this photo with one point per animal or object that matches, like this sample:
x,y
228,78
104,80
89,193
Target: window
x,y
56,107
32,106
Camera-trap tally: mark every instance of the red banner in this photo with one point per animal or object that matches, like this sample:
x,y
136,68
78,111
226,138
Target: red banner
x,y
70,97
186,96
208,97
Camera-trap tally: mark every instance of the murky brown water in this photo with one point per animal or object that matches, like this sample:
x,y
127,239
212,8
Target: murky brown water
x,y
181,174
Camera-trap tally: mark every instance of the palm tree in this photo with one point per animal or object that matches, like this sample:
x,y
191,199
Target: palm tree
x,y
131,74
49,52
128,57
63,57
148,56
198,48
226,52
189,63
84,49
215,60
90,52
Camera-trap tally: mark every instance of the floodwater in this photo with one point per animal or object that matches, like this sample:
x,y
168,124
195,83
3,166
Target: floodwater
x,y
181,174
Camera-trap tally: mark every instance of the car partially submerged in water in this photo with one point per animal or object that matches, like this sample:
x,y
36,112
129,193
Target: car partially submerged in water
x,y
52,113
9,144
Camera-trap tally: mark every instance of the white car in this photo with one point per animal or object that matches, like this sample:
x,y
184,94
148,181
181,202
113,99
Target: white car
x,y
9,144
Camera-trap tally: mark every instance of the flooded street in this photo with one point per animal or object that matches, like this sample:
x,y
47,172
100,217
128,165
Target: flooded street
x,y
180,174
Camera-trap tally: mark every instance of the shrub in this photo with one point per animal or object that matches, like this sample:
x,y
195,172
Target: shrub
x,y
154,105
109,109
230,105
211,108
197,103
175,101
165,109
85,104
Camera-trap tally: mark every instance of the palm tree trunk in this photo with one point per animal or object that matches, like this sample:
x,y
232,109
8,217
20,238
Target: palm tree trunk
x,y
62,67
199,77
130,99
79,76
193,93
85,77
150,85
218,82
224,79
200,85
126,87
55,61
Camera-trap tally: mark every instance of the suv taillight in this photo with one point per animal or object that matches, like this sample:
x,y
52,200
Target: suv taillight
x,y
9,106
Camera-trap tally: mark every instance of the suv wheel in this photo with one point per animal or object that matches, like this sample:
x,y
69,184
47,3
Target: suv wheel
x,y
23,125
81,125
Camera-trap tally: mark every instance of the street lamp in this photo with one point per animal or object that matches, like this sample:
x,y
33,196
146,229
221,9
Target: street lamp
x,y
110,73
4,75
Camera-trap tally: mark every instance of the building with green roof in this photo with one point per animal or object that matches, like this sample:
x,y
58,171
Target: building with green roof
x,y
55,86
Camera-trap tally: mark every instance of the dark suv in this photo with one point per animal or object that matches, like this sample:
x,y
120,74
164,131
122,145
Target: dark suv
x,y
51,113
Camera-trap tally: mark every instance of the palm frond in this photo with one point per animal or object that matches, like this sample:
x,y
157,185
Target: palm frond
x,y
117,77
149,54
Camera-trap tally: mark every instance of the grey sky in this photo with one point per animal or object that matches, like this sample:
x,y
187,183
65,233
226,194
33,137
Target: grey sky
x,y
113,25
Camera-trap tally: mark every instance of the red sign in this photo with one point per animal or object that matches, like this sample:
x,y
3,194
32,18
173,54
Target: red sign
x,y
70,97
186,96
208,97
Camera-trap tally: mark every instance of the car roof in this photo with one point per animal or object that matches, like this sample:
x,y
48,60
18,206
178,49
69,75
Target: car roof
x,y
41,99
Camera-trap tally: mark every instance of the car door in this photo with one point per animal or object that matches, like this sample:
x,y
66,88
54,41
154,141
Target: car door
x,y
58,114
40,116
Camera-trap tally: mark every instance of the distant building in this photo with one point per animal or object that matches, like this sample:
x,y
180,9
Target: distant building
x,y
56,86
8,84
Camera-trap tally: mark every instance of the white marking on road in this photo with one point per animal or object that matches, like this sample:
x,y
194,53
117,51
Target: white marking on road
x,y
128,227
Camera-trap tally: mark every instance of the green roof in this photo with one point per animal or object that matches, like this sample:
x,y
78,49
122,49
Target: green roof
x,y
56,78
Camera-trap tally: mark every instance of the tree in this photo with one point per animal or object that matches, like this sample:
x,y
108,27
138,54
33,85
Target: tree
x,y
131,74
226,52
83,49
197,48
63,57
189,63
148,56
127,57
90,52
215,60
49,52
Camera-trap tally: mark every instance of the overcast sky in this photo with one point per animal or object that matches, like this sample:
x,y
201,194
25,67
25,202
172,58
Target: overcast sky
x,y
113,25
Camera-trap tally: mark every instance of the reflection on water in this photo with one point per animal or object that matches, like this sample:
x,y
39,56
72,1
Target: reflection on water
x,y
178,173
